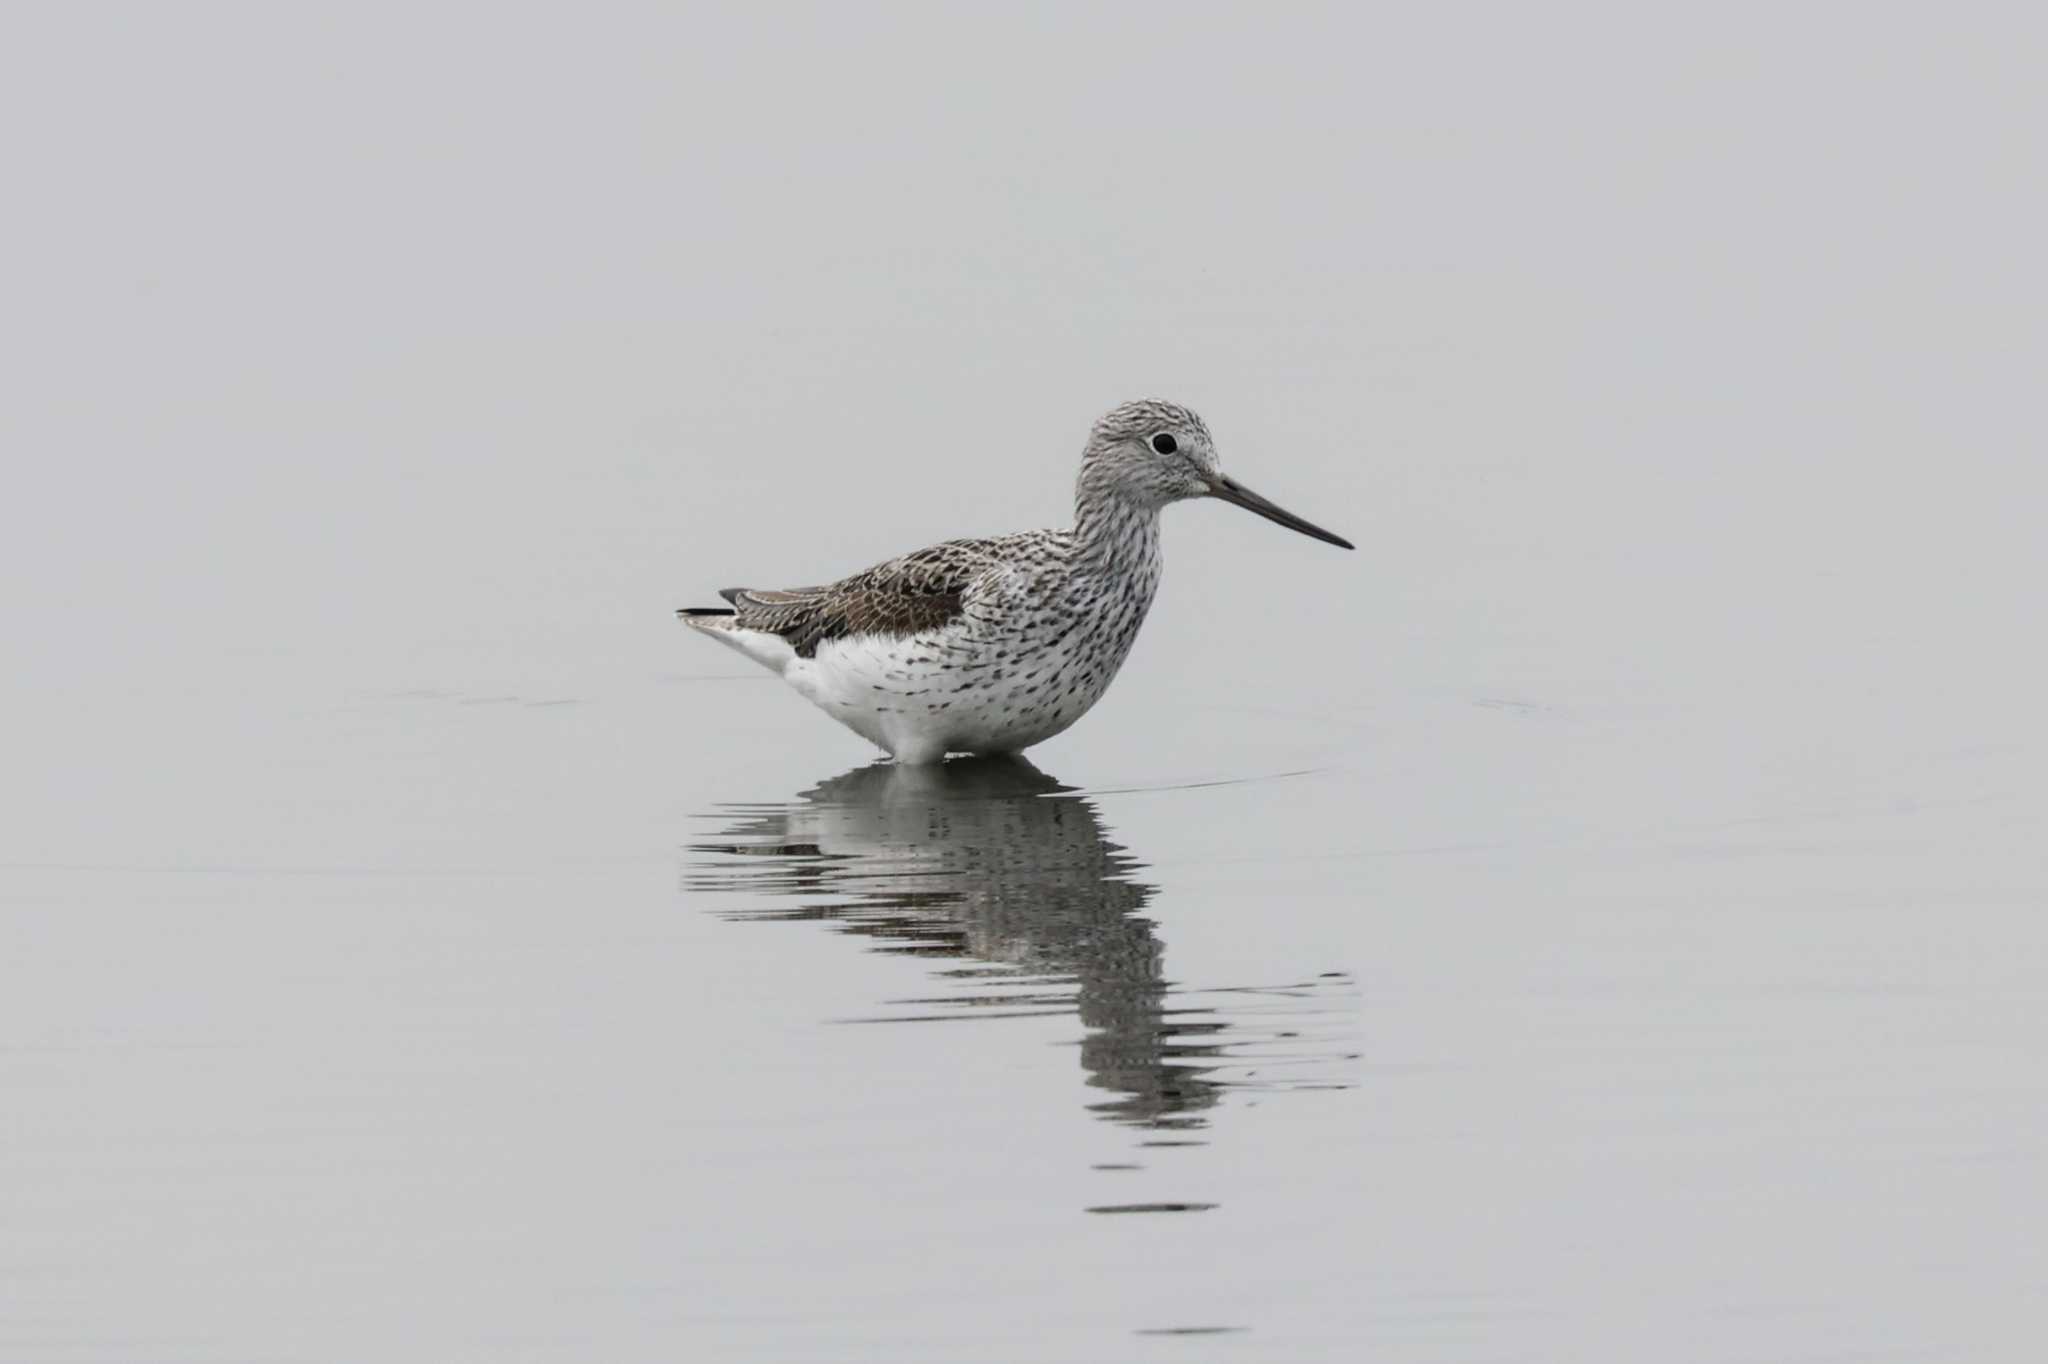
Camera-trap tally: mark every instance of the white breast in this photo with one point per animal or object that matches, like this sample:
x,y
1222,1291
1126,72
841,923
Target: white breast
x,y
924,697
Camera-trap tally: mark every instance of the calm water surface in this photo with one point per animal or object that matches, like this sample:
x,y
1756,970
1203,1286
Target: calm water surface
x,y
679,1048
996,866
1601,920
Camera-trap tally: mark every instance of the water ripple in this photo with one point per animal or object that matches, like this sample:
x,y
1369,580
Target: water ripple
x,y
1005,879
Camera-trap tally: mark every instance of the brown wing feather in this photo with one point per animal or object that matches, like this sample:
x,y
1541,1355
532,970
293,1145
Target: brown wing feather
x,y
905,596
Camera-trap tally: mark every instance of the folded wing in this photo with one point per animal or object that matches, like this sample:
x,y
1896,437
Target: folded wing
x,y
908,596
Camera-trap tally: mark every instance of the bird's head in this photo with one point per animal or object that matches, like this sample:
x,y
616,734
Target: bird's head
x,y
1149,453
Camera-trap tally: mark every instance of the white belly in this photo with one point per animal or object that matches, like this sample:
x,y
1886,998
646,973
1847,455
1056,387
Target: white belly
x,y
921,699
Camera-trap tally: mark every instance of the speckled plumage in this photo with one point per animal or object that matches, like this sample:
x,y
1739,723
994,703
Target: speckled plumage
x,y
991,646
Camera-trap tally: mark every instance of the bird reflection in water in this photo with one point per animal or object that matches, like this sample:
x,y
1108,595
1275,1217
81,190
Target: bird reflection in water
x,y
992,862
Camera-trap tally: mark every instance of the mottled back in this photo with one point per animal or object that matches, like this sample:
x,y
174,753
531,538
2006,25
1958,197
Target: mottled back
x,y
919,592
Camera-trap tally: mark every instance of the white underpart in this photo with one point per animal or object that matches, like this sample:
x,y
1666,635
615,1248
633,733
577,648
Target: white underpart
x,y
861,682
770,651
900,695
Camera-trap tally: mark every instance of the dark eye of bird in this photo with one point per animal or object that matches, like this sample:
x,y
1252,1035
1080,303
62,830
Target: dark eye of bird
x,y
1164,444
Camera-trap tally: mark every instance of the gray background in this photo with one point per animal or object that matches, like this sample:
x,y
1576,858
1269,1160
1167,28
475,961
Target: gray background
x,y
1662,876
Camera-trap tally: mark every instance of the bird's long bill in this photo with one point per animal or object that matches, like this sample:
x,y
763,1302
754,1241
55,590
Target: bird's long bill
x,y
1230,490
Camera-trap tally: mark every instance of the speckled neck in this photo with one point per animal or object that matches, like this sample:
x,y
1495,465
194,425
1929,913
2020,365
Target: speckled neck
x,y
1113,535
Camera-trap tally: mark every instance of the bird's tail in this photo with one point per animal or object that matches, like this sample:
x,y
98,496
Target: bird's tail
x,y
712,620
722,623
